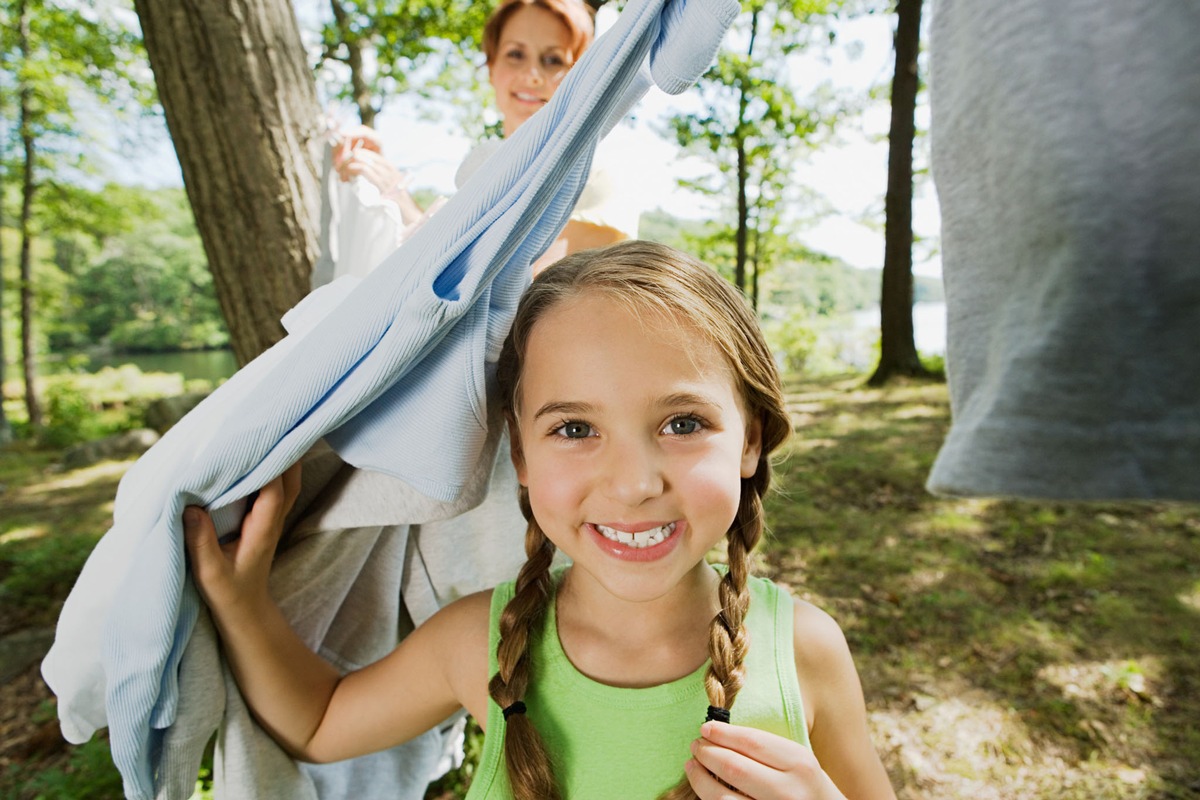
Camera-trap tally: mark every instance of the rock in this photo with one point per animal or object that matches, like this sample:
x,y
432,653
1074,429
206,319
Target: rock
x,y
21,649
121,445
165,412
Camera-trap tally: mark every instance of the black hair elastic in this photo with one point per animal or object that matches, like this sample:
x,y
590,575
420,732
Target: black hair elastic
x,y
717,714
516,708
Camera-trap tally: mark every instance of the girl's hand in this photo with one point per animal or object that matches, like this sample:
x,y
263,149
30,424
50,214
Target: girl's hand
x,y
234,575
755,764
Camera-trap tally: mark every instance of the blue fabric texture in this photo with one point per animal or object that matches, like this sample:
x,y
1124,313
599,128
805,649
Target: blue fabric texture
x,y
393,376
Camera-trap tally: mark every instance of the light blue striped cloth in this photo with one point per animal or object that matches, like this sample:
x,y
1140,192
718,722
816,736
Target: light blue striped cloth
x,y
393,376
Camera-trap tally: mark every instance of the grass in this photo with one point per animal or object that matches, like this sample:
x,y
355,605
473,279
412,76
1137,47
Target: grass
x,y
1007,649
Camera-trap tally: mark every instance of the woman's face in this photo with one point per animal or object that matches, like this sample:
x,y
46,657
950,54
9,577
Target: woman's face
x,y
533,55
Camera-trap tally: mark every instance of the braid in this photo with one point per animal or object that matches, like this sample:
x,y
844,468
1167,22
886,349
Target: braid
x,y
727,637
529,770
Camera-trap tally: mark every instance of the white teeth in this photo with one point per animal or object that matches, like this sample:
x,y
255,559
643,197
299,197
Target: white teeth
x,y
640,539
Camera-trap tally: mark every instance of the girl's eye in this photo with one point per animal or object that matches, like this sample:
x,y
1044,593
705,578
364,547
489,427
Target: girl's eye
x,y
553,62
574,430
682,426
514,56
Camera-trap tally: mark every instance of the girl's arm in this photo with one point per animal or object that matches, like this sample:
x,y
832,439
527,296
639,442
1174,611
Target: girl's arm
x,y
833,701
298,697
842,762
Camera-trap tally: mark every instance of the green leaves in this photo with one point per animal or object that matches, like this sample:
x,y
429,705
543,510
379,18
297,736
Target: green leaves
x,y
751,124
54,52
394,46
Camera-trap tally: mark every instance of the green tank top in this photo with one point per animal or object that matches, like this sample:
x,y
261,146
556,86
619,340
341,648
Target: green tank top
x,y
609,742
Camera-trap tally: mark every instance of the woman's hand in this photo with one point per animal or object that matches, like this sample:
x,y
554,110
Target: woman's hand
x,y
361,137
373,166
750,763
233,576
359,153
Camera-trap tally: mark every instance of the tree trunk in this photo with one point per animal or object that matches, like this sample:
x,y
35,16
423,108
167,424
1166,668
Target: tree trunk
x,y
242,110
898,351
28,350
743,218
754,262
354,60
5,427
28,187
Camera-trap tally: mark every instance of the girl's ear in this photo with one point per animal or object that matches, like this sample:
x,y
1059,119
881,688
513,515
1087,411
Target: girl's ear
x,y
516,452
753,448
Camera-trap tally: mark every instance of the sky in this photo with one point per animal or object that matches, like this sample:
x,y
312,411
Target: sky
x,y
850,174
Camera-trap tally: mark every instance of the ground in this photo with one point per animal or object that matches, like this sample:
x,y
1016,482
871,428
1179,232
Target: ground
x,y
1007,649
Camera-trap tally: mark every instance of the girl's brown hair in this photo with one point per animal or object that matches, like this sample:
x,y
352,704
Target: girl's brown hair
x,y
648,277
575,14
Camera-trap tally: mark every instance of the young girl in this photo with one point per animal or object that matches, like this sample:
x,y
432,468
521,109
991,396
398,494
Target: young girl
x,y
643,406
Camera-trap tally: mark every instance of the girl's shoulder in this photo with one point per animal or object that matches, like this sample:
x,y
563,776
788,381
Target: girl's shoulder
x,y
834,707
458,633
464,616
818,639
824,667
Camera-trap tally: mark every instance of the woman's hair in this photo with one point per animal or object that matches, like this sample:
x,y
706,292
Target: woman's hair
x,y
575,14
648,277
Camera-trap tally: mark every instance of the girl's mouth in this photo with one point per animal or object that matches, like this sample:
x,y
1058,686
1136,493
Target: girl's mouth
x,y
639,540
650,544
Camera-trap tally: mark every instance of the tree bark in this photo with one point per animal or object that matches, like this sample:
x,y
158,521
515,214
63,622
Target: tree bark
x,y
28,187
898,350
28,351
354,60
754,262
5,427
743,219
243,114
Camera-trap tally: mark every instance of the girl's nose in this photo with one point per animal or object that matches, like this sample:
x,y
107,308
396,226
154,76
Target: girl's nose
x,y
634,474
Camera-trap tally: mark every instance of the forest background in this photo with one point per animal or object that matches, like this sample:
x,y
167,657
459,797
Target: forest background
x,y
115,265
1005,647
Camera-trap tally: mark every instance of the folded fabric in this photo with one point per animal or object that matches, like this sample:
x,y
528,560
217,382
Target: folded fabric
x,y
393,376
611,198
1070,250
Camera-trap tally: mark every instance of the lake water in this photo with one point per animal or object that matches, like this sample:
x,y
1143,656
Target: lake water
x,y
929,333
209,365
929,325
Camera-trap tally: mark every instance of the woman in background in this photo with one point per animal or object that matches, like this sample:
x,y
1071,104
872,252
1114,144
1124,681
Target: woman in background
x,y
529,46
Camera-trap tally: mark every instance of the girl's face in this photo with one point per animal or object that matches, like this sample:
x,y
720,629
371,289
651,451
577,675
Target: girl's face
x,y
533,55
632,442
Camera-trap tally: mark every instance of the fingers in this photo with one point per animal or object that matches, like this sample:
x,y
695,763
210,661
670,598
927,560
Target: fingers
x,y
373,167
291,484
200,537
208,560
706,786
765,748
760,765
363,137
263,524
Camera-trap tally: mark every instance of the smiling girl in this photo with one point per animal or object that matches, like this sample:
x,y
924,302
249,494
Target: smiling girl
x,y
643,406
